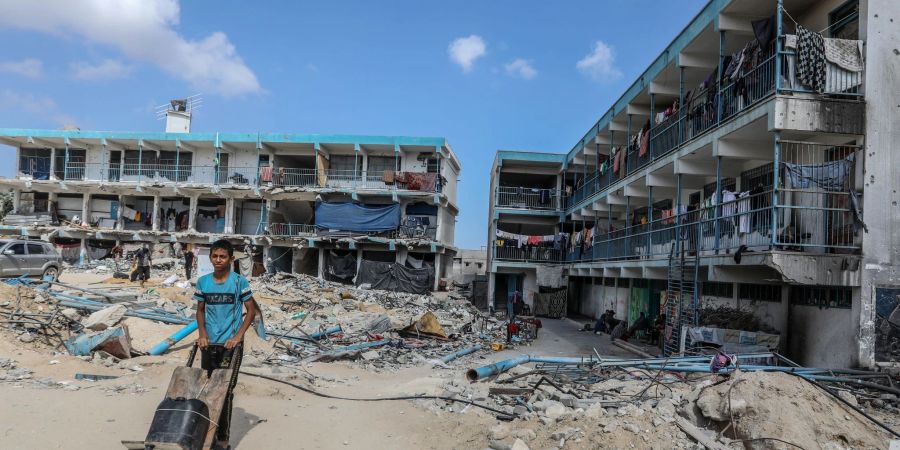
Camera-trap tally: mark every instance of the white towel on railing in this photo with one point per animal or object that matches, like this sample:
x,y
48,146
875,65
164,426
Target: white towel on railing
x,y
845,53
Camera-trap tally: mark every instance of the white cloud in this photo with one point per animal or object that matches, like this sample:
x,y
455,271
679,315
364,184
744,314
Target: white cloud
x,y
29,68
600,63
465,50
142,30
107,70
521,68
42,107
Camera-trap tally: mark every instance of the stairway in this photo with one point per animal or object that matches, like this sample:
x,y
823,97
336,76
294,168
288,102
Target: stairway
x,y
681,295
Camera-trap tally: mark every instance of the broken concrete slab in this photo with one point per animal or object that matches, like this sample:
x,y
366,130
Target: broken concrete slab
x,y
105,318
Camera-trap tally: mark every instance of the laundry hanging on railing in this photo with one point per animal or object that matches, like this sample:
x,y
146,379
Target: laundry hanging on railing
x,y
830,176
811,59
524,239
644,139
417,181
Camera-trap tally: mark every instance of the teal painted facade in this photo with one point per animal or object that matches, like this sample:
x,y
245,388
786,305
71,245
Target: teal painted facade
x,y
709,14
219,138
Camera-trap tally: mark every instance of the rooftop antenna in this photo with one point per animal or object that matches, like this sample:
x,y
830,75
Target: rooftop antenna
x,y
178,113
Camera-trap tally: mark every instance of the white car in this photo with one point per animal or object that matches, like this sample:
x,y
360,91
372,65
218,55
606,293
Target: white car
x,y
19,257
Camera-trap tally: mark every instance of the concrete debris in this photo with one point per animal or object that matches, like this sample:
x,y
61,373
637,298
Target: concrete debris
x,y
105,318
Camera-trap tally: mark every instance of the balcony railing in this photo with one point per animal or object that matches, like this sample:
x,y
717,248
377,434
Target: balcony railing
x,y
237,176
527,198
838,80
811,221
528,254
291,229
710,107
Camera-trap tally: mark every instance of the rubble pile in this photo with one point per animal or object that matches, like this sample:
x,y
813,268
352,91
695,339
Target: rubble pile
x,y
729,317
313,319
643,409
540,402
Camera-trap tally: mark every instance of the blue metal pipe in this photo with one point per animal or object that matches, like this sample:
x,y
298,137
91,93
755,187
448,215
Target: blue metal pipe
x,y
496,368
562,359
160,348
313,336
360,346
320,334
502,366
463,352
141,314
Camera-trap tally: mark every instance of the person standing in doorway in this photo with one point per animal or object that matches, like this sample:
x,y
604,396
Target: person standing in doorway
x,y
225,310
189,261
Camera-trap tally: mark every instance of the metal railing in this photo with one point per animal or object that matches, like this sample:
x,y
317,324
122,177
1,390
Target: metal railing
x,y
238,176
226,175
818,206
527,198
291,229
838,80
528,254
710,107
288,176
816,220
131,172
747,89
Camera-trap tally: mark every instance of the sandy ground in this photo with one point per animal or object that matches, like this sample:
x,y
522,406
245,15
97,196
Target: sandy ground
x,y
100,414
267,415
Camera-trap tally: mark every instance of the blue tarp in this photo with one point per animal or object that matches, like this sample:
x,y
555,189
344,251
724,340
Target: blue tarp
x,y
357,217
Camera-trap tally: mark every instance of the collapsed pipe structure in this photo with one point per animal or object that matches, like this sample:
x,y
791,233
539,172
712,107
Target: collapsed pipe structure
x,y
499,367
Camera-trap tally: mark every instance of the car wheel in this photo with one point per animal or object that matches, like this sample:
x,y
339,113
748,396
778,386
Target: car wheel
x,y
51,272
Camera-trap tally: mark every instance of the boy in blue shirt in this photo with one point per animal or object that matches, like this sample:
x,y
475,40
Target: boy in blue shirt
x,y
222,297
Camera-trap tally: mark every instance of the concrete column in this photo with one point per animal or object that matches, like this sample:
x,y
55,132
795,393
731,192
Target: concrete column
x,y
86,208
155,217
438,234
881,190
52,199
82,254
438,263
321,273
365,165
17,199
53,164
192,214
490,289
229,215
359,256
120,221
266,265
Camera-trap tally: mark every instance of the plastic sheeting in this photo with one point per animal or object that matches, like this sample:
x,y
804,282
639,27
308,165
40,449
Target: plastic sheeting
x,y
357,217
395,277
339,267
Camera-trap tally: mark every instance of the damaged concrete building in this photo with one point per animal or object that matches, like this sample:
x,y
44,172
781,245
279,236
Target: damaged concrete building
x,y
770,187
304,203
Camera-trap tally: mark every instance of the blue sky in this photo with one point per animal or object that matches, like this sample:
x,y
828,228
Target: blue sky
x,y
486,75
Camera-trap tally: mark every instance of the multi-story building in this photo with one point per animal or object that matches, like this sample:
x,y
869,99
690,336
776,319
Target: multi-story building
x,y
301,203
751,164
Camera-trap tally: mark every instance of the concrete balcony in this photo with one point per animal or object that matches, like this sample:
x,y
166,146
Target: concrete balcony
x,y
527,198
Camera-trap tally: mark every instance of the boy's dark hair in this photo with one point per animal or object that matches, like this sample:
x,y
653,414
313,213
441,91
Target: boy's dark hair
x,y
224,245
